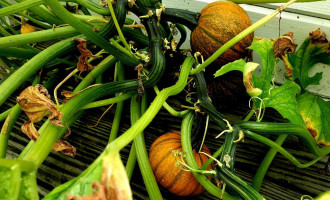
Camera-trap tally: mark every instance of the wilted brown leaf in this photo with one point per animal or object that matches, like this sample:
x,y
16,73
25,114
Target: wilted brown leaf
x,y
64,147
29,130
318,37
36,103
284,45
83,64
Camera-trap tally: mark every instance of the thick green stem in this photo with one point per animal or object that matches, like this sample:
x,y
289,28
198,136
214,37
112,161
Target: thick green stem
x,y
249,115
117,99
153,109
114,18
119,76
135,113
4,115
17,52
239,37
44,13
143,161
104,65
31,67
131,162
267,128
263,167
67,17
38,36
170,109
43,145
19,7
6,129
186,127
281,150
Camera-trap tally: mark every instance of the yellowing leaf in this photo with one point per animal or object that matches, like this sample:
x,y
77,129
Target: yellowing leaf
x,y
315,49
316,115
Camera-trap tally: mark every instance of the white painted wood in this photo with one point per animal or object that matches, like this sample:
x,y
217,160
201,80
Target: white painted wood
x,y
296,22
318,9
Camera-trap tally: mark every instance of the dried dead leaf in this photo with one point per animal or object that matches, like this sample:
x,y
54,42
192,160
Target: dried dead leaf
x,y
83,64
284,45
318,37
29,130
114,178
36,103
64,147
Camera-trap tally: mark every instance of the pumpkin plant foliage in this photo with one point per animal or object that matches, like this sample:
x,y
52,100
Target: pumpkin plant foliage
x,y
316,114
261,87
313,50
301,108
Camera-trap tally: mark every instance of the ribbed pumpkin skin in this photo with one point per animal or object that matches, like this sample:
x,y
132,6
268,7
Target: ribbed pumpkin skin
x,y
167,174
219,22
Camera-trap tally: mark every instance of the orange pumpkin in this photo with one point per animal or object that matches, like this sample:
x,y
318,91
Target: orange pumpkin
x,y
167,173
218,23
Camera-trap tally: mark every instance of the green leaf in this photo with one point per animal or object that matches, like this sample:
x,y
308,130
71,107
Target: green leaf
x,y
264,47
316,115
18,180
80,185
5,175
108,170
255,85
311,52
236,65
323,196
283,99
247,69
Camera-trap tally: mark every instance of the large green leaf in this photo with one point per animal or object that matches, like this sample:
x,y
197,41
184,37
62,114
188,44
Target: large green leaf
x,y
314,50
316,115
283,99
